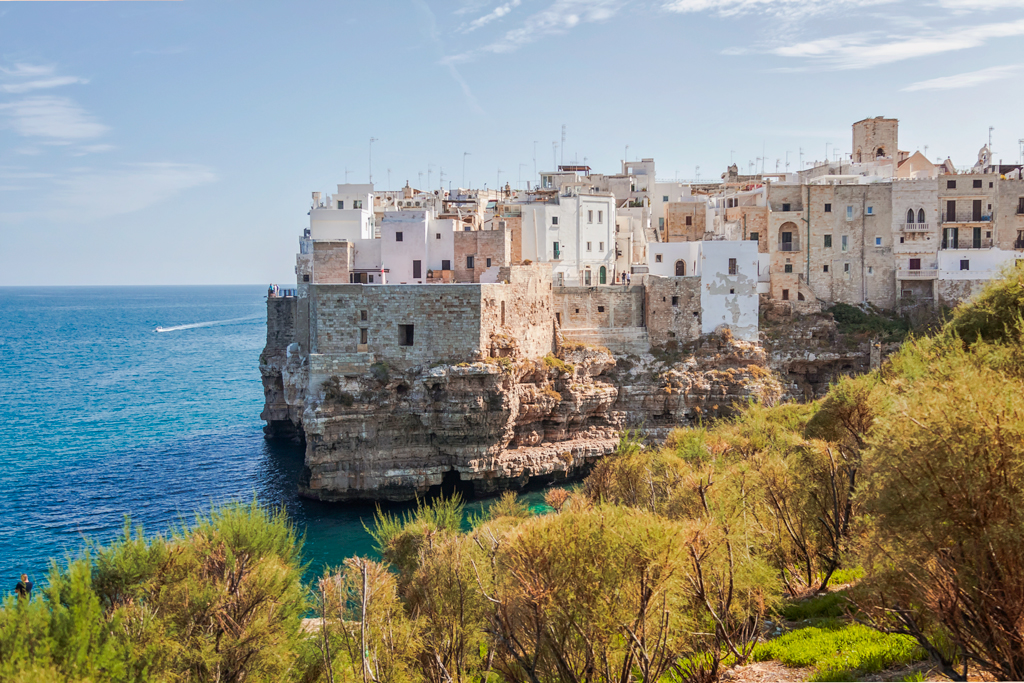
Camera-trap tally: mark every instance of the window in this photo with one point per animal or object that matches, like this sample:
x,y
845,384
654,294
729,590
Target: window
x,y
588,246
600,309
469,262
846,244
558,254
438,236
489,265
363,335
600,246
554,220
732,266
363,315
878,241
846,267
965,264
657,258
825,269
789,267
586,277
977,182
369,278
1020,205
600,216
828,208
849,213
950,184
405,335
871,270
990,183
920,216
341,204
785,206
828,241
910,215
871,211
357,203
785,295
590,216
664,198
305,278
915,264
398,237
754,236
661,223
446,265
689,220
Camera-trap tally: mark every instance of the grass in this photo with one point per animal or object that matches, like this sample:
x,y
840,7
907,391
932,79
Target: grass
x,y
840,651
841,577
831,605
558,364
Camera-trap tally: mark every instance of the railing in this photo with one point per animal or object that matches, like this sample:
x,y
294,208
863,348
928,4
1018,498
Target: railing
x,y
283,293
919,274
789,246
966,217
777,206
1020,210
966,243
915,227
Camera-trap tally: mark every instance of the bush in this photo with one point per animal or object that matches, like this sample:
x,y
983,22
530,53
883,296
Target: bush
x,y
852,320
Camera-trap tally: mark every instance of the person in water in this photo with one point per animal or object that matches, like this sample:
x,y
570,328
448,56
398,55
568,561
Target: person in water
x,y
24,587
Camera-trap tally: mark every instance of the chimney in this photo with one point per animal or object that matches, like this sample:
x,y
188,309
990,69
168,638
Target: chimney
x,y
316,199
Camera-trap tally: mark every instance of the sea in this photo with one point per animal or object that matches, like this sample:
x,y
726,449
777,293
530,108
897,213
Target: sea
x,y
143,404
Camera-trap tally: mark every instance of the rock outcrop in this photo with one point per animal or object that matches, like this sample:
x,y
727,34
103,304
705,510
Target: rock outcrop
x,y
378,433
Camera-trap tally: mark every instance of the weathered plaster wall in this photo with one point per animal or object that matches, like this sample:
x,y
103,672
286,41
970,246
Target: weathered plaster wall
x,y
673,309
729,299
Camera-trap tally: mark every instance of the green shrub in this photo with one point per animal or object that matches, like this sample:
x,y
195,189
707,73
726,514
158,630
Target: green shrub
x,y
852,320
831,605
558,365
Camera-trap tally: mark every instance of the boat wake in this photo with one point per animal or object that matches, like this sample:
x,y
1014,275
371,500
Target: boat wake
x,y
208,323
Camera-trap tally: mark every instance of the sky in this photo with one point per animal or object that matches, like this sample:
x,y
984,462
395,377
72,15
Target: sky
x,y
156,143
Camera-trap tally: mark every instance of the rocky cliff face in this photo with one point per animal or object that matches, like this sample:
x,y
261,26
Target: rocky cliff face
x,y
382,434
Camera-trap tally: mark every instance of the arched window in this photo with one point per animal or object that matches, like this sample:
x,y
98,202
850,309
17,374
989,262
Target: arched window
x,y
910,215
858,156
602,276
788,240
880,153
680,268
920,216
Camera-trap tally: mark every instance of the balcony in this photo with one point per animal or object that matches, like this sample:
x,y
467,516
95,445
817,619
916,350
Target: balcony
x,y
915,227
919,274
966,217
966,243
793,245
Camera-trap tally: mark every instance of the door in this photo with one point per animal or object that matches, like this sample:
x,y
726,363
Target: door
x,y
976,210
680,268
977,238
949,238
915,264
787,241
950,211
586,277
416,269
603,274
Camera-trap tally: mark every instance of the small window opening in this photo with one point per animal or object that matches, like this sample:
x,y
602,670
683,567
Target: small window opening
x,y
405,335
398,237
785,295
732,266
363,315
675,301
600,309
363,335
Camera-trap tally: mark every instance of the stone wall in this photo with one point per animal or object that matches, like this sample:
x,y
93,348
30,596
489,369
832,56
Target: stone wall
x,y
280,323
517,318
445,320
676,216
871,134
332,262
1009,224
599,307
673,309
752,220
482,245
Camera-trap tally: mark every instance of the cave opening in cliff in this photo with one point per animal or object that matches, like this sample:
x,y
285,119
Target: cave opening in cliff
x,y
452,483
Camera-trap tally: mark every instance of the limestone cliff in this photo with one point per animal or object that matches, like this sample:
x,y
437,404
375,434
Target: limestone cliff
x,y
377,433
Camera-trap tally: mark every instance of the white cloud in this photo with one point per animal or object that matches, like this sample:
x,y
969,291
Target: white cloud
x,y
84,195
864,50
497,13
22,70
788,9
57,118
42,84
966,80
560,17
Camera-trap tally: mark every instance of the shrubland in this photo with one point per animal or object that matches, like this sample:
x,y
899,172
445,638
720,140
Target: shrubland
x,y
875,527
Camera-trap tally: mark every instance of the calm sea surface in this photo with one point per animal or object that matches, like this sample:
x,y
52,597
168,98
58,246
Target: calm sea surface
x,y
103,417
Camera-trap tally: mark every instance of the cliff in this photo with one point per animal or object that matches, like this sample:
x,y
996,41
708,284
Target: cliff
x,y
374,432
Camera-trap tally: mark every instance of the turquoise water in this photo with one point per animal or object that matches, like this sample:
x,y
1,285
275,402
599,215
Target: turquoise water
x,y
104,417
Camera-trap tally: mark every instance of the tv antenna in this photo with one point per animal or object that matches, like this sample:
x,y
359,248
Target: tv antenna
x,y
563,144
372,140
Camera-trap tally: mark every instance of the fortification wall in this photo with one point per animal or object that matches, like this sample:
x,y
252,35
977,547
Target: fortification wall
x,y
599,307
280,323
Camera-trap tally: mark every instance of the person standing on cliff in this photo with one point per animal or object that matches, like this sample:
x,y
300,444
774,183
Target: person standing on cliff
x,y
24,587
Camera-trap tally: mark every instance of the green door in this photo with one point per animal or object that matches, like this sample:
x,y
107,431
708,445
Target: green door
x,y
603,275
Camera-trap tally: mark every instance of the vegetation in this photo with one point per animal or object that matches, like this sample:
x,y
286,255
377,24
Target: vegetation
x,y
905,486
558,365
853,320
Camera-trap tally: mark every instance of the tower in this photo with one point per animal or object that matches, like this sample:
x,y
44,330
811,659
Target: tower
x,y
875,138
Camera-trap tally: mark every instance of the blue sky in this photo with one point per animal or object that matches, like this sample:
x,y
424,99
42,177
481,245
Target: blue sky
x,y
178,142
